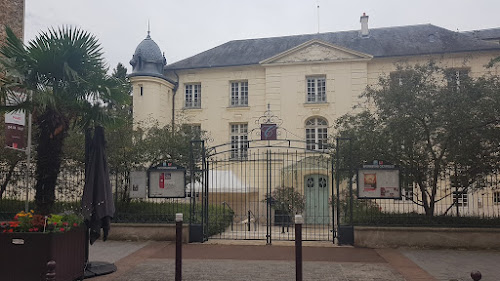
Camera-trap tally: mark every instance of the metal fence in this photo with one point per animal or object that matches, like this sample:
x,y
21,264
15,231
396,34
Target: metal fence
x,y
455,206
475,205
69,191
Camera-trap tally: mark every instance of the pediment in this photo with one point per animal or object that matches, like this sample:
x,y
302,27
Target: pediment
x,y
316,51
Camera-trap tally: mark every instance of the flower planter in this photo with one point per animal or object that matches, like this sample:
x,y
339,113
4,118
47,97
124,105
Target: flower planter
x,y
24,255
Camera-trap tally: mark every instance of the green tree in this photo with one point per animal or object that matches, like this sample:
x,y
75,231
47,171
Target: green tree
x,y
171,144
64,71
426,121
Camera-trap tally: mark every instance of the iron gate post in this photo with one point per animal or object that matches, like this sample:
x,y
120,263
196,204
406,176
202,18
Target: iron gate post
x,y
268,205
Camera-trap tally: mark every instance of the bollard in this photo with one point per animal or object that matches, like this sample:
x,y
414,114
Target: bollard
x,y
476,275
51,271
178,247
298,247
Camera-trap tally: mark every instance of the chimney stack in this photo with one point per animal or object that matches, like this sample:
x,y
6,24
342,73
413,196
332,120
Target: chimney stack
x,y
364,25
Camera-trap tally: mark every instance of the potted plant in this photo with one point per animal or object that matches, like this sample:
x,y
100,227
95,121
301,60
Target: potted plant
x,y
29,241
286,201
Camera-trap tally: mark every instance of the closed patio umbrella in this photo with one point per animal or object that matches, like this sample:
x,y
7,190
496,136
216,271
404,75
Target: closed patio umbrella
x,y
97,203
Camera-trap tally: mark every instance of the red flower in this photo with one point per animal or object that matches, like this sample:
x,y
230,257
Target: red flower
x,y
62,229
16,217
11,230
75,224
31,230
35,228
65,223
14,224
55,223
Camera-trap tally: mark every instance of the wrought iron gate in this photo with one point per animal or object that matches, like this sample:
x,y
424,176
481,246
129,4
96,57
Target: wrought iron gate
x,y
254,193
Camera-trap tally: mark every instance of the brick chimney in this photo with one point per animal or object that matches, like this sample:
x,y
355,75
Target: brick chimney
x,y
364,25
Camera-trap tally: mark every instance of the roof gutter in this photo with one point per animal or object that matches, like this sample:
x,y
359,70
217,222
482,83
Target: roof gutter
x,y
176,86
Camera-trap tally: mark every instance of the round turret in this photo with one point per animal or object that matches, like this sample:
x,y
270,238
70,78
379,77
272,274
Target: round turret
x,y
148,59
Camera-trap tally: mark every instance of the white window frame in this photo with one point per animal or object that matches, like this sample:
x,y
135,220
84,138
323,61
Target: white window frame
x,y
316,89
192,95
316,133
463,198
239,93
407,193
496,197
455,76
195,130
239,140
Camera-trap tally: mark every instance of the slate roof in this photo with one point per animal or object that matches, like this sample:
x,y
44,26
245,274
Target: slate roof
x,y
381,42
149,51
485,34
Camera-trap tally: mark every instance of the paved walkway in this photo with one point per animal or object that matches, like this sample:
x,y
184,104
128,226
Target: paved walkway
x,y
456,264
221,261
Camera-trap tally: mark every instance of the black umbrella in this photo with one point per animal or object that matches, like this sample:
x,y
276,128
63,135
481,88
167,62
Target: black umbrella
x,y
97,203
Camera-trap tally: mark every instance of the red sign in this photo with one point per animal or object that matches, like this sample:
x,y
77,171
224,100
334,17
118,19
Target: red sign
x,y
14,124
268,131
162,181
14,136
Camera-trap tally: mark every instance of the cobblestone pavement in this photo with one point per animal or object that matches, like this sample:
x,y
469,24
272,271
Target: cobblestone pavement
x,y
151,261
229,270
154,261
456,264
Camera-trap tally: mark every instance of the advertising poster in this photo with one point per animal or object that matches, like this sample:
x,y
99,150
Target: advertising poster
x,y
370,182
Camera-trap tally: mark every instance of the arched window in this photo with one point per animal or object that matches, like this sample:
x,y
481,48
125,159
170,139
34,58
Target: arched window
x,y
316,133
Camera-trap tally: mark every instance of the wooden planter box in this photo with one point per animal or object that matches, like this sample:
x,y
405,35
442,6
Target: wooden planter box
x,y
24,256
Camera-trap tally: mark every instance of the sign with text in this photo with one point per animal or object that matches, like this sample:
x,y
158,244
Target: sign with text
x,y
167,180
14,125
138,184
377,182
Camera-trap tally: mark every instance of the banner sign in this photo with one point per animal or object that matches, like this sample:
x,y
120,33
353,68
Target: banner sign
x,y
268,131
14,126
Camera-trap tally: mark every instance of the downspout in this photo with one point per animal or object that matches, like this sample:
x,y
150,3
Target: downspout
x,y
176,86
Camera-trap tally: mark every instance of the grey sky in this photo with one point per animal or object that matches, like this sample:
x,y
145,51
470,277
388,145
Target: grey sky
x,y
185,28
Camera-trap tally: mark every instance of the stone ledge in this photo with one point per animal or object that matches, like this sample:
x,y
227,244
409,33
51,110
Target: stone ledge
x,y
427,237
146,232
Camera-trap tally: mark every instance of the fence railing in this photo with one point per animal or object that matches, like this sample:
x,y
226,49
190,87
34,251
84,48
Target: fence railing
x,y
453,207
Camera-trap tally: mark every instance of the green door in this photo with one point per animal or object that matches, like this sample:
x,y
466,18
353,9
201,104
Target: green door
x,y
317,211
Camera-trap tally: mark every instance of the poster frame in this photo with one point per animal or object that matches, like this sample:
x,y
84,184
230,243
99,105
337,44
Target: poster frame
x,y
375,169
168,167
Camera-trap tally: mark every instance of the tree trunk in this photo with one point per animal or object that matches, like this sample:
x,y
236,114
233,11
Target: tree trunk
x,y
52,132
3,187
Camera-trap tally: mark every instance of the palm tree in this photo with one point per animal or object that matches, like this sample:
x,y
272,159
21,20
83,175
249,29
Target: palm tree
x,y
64,71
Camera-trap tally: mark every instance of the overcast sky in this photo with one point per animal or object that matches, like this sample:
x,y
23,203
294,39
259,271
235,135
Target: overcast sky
x,y
185,28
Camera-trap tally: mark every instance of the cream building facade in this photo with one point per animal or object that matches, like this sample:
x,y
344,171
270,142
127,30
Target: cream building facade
x,y
299,78
305,82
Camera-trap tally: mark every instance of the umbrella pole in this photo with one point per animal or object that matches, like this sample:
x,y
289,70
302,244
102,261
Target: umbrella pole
x,y
88,142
